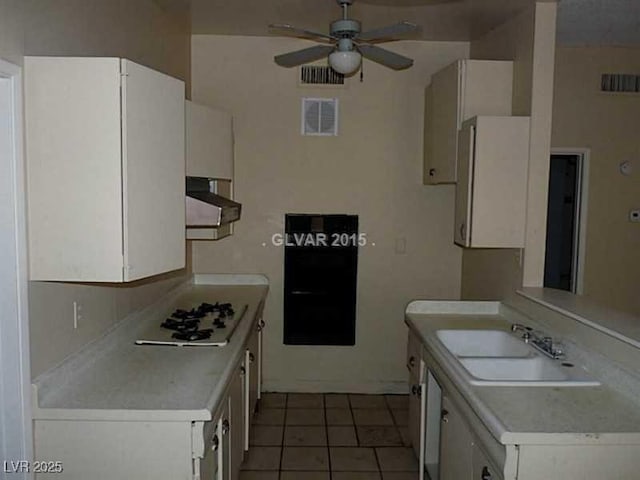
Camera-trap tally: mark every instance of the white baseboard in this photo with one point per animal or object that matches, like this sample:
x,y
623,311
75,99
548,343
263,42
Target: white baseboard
x,y
315,386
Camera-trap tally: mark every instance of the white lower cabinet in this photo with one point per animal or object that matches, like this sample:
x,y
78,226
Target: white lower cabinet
x,y
223,436
159,450
456,443
447,444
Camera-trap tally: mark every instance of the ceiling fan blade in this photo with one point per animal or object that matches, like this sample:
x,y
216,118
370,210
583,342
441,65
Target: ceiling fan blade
x,y
306,55
300,32
388,32
385,57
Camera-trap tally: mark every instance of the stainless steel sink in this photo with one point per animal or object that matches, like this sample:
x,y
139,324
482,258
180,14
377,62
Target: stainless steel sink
x,y
498,358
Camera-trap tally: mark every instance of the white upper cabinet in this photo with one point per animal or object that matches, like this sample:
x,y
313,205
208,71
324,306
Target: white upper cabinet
x,y
491,193
462,90
106,169
209,142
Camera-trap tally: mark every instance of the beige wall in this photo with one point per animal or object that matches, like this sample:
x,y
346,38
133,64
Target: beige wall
x,y
11,31
529,40
607,125
373,169
143,32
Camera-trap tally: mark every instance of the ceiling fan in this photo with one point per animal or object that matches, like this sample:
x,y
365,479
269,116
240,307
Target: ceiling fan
x,y
346,44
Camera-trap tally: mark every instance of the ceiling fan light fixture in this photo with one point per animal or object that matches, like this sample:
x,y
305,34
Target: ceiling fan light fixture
x,y
345,62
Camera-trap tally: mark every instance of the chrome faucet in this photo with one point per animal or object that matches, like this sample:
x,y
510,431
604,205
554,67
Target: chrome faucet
x,y
541,342
526,335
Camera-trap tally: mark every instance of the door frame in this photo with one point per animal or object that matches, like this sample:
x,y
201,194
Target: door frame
x,y
580,232
15,378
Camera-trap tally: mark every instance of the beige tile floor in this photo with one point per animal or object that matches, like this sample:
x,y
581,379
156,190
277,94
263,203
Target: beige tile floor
x,y
305,436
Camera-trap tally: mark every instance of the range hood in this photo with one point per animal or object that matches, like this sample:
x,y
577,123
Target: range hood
x,y
206,208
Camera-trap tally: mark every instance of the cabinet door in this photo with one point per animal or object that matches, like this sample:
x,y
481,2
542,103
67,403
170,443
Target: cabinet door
x,y
209,134
499,172
261,325
433,412
444,121
74,171
417,397
482,468
456,443
236,415
250,383
224,451
253,361
429,163
415,403
492,182
464,188
213,443
154,172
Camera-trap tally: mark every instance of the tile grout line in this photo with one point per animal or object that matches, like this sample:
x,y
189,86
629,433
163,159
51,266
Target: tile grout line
x,y
326,432
353,419
284,427
375,454
393,420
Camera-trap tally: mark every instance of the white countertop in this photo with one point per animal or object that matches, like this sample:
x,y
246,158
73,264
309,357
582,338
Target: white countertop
x,y
526,415
116,379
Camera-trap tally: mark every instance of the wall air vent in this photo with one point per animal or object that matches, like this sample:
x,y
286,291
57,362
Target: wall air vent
x,y
320,116
318,75
620,83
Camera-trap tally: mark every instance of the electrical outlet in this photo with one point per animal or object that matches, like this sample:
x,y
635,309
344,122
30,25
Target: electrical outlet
x,y
77,314
634,216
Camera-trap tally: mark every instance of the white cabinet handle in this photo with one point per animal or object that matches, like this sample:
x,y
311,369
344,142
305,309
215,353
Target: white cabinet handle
x,y
252,357
225,427
216,443
463,231
415,389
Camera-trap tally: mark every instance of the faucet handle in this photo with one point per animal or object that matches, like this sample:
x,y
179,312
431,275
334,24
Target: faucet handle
x,y
558,350
518,326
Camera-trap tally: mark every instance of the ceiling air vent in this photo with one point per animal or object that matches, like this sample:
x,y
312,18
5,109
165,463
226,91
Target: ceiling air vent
x,y
318,75
620,83
320,116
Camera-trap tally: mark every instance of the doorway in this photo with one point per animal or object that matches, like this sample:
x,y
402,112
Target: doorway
x,y
15,377
566,212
